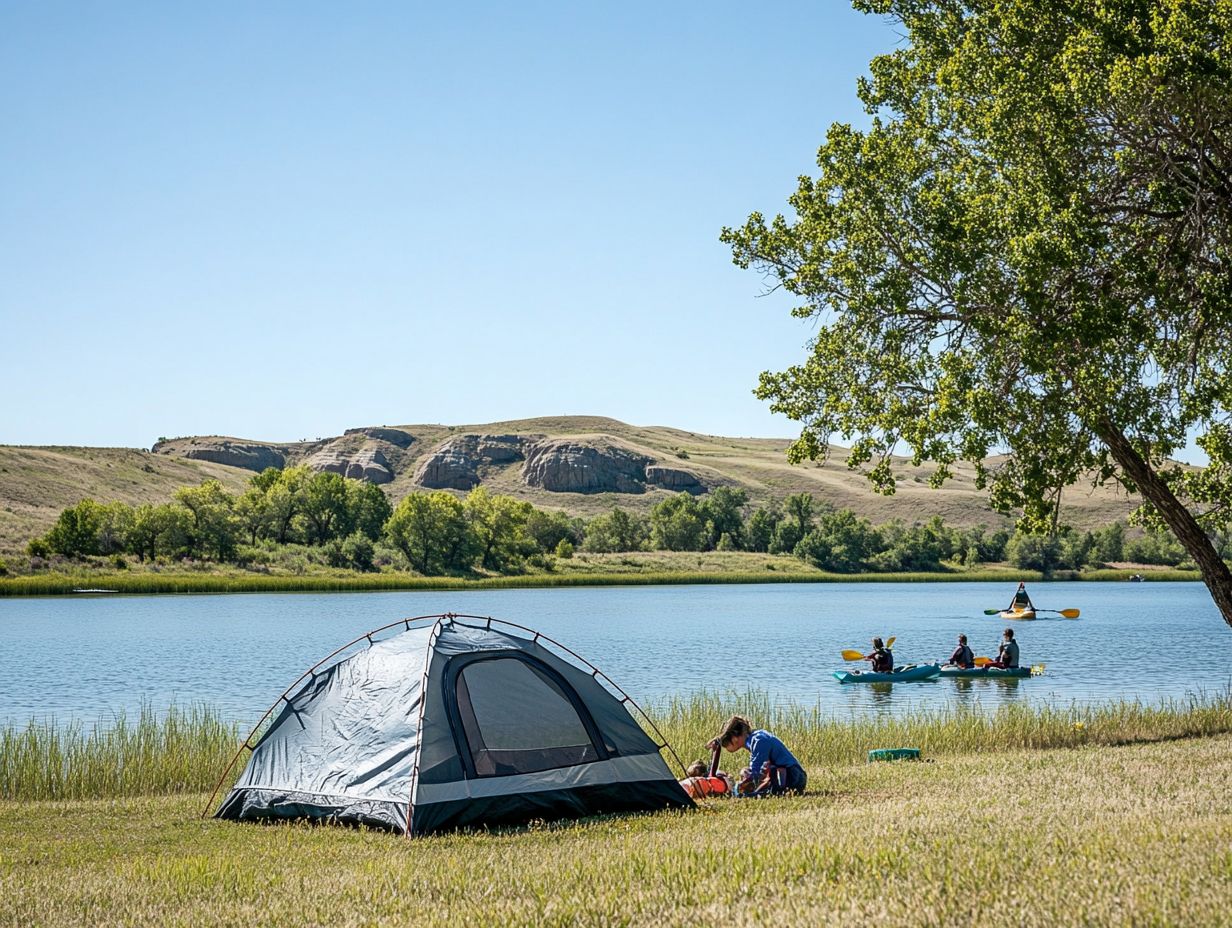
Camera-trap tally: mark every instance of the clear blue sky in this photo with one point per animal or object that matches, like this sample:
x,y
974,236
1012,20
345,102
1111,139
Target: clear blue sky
x,y
281,220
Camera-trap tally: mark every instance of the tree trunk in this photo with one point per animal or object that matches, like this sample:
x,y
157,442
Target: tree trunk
x,y
1189,533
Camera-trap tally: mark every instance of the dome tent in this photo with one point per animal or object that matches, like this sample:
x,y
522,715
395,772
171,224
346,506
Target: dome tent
x,y
451,721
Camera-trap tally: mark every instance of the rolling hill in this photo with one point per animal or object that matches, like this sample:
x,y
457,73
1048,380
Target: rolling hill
x,y
581,464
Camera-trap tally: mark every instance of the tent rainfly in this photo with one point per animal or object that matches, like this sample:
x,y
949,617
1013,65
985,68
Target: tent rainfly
x,y
454,721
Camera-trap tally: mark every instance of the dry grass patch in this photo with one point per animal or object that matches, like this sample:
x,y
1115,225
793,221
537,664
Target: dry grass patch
x,y
1092,836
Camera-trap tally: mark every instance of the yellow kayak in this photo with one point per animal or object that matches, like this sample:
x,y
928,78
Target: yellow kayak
x,y
1017,613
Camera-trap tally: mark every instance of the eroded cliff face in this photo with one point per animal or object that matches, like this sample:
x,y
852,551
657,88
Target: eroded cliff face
x,y
598,465
366,463
461,462
250,455
588,464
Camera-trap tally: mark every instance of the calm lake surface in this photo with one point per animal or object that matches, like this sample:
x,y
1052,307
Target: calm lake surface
x,y
87,658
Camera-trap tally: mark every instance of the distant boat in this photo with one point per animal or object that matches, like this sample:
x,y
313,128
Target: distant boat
x,y
96,591
1136,578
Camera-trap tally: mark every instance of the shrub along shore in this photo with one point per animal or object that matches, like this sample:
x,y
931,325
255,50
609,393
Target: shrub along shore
x,y
1031,817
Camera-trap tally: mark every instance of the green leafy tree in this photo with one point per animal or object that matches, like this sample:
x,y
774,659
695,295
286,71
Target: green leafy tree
x,y
678,523
367,509
115,524
723,510
841,542
616,531
498,524
761,527
797,522
252,510
1110,543
214,525
1034,552
432,532
1026,253
548,528
324,505
284,496
75,533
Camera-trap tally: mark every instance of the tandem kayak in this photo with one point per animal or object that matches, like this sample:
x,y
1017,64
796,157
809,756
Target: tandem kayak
x,y
1017,613
949,670
901,675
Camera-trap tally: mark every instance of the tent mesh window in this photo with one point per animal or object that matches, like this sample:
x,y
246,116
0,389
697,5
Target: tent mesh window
x,y
497,699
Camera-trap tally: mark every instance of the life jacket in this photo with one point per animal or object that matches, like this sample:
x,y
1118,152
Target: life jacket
x,y
701,787
883,660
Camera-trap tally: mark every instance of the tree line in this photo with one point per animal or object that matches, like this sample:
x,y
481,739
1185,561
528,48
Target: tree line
x,y
324,518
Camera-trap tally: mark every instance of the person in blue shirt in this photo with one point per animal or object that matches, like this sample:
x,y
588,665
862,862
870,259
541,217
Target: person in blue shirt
x,y
772,768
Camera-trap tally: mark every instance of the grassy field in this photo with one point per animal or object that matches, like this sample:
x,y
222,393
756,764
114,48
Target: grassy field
x,y
1091,835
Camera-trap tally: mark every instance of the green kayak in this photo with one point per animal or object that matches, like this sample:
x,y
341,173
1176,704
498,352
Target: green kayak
x,y
900,675
949,670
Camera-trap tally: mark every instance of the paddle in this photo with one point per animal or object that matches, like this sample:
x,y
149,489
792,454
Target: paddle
x,y
992,612
1068,613
851,654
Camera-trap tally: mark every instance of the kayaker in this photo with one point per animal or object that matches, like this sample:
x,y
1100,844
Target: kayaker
x,y
881,656
963,656
1021,601
772,767
1007,654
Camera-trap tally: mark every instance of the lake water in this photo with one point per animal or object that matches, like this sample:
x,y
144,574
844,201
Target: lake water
x,y
88,658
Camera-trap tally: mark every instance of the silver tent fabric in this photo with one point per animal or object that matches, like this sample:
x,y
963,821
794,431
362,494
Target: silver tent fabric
x,y
346,746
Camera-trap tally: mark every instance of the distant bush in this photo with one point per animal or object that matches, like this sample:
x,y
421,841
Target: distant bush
x,y
564,549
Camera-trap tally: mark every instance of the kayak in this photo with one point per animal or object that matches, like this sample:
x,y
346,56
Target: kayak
x,y
900,675
949,670
1017,613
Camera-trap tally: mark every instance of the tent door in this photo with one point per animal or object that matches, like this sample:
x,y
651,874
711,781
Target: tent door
x,y
512,714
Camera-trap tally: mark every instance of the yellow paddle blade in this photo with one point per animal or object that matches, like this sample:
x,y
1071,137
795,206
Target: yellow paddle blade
x,y
890,642
1037,670
850,655
983,661
1070,613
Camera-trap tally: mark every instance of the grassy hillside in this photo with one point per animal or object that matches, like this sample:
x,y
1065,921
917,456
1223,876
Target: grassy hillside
x,y
36,483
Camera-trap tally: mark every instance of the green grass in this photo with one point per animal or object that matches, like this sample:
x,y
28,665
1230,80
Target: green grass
x,y
1134,835
177,751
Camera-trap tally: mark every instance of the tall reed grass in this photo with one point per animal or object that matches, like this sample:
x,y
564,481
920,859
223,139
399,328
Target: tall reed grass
x,y
187,750
56,584
818,738
180,750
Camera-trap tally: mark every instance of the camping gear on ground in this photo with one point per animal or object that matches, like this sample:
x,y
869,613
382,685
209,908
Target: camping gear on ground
x,y
903,674
451,721
893,754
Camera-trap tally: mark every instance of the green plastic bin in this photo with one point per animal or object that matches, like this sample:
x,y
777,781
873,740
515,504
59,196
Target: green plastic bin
x,y
893,754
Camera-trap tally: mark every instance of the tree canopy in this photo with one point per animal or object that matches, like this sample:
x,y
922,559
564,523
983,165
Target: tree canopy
x,y
1026,253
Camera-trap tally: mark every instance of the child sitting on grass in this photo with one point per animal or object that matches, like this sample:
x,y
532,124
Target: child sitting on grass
x,y
772,768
